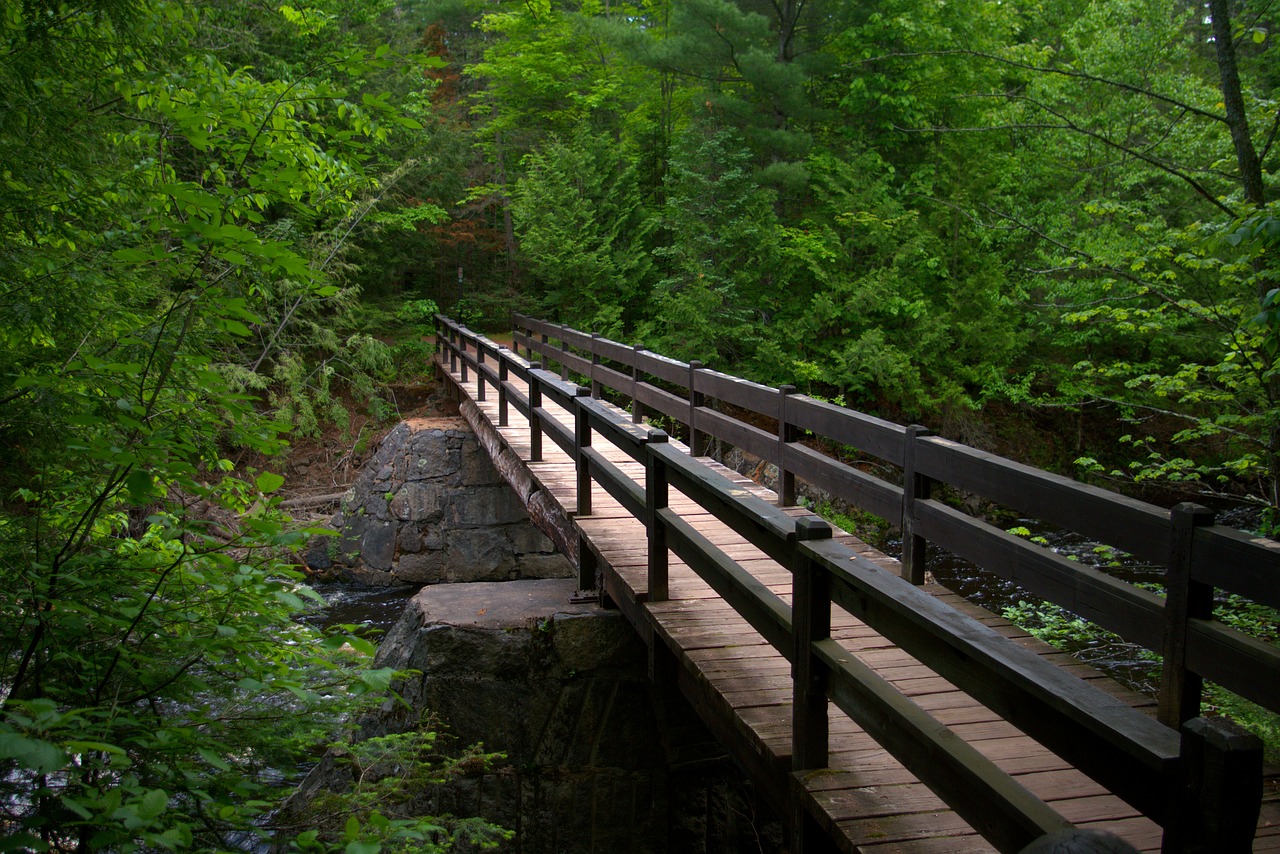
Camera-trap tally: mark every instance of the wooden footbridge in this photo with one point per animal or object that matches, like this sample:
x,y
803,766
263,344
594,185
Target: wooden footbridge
x,y
876,710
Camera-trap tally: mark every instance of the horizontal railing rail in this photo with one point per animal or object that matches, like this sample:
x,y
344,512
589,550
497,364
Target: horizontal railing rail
x,y
1179,779
1179,625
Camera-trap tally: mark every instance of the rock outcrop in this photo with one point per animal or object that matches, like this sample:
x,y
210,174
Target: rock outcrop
x,y
430,507
597,759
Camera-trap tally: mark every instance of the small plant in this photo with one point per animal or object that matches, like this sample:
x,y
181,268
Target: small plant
x,y
866,526
1066,631
393,777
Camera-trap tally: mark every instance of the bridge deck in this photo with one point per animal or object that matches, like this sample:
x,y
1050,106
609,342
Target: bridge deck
x,y
866,800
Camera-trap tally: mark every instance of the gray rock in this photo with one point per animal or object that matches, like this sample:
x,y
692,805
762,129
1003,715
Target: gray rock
x,y
422,568
378,545
428,481
478,555
596,760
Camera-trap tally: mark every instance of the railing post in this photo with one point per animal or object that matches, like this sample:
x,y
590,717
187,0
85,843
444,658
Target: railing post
x,y
564,348
786,435
581,440
453,349
655,499
462,345
810,622
480,387
1184,600
637,408
914,488
696,439
590,583
595,363
503,415
535,422
1220,789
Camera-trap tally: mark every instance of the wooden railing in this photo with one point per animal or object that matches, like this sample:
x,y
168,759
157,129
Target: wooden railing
x,y
1198,778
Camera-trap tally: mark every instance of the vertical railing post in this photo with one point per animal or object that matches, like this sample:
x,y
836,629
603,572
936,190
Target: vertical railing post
x,y
462,345
590,582
543,354
637,408
535,421
914,488
581,441
1185,599
438,359
564,348
453,349
1215,809
595,363
656,494
787,434
503,374
697,439
810,622
480,386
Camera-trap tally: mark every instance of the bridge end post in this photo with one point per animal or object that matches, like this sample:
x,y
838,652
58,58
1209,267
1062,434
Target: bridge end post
x,y
914,488
1219,792
787,434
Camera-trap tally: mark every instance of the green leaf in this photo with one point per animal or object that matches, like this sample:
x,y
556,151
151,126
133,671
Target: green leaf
x,y
361,645
31,753
269,482
153,803
213,759
380,679
139,485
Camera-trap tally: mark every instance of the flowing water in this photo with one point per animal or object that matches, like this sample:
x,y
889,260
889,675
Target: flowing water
x,y
371,610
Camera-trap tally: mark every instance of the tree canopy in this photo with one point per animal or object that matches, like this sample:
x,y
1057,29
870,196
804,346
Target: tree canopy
x,y
1046,229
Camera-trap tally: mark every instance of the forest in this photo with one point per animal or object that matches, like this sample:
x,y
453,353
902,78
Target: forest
x,y
1042,228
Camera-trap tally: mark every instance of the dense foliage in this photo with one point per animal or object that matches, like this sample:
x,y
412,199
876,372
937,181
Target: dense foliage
x,y
180,187
948,212
992,217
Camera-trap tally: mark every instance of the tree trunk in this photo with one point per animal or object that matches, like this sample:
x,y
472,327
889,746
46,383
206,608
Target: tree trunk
x,y
1233,101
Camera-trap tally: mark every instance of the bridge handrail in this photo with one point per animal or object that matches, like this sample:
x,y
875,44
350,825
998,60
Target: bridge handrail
x,y
1147,764
1180,626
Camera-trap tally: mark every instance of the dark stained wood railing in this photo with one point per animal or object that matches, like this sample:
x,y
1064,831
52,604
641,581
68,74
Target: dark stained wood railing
x,y
1199,778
